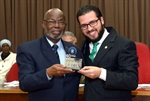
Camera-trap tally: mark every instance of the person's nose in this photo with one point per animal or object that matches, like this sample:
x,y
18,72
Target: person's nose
x,y
56,24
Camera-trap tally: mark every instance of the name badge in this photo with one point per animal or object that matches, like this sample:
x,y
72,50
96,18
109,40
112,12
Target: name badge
x,y
73,63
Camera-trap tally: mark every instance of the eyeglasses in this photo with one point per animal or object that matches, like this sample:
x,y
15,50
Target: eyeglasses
x,y
53,22
91,23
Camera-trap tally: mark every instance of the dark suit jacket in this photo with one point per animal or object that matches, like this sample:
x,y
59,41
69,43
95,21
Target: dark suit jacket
x,y
118,56
33,58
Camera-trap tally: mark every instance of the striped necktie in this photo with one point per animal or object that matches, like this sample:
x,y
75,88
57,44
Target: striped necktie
x,y
94,51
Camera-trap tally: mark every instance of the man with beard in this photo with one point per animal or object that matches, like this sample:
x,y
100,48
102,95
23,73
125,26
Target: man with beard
x,y
42,70
111,62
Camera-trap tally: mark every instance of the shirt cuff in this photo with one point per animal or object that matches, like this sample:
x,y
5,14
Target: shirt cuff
x,y
49,78
103,74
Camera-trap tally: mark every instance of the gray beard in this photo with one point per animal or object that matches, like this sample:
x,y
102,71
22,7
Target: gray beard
x,y
51,36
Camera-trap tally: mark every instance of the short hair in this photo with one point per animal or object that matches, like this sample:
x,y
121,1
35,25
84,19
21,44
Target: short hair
x,y
87,8
68,33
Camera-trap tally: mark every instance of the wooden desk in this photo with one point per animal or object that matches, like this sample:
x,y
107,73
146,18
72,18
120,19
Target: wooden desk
x,y
137,95
15,94
12,94
141,92
141,95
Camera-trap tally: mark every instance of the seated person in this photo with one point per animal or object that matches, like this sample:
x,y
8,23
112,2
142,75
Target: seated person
x,y
7,59
69,37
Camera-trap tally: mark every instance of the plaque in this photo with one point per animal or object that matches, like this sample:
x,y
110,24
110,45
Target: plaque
x,y
73,63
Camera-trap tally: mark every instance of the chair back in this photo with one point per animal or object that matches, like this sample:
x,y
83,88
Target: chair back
x,y
143,53
12,75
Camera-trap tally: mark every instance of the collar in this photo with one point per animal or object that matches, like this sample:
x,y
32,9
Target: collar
x,y
59,43
106,33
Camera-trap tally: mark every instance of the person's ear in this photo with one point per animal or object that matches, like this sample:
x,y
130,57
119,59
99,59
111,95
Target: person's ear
x,y
43,25
102,20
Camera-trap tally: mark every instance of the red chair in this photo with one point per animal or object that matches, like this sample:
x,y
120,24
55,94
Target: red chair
x,y
12,75
143,53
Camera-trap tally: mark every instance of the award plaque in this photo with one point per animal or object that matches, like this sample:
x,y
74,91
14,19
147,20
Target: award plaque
x,y
73,63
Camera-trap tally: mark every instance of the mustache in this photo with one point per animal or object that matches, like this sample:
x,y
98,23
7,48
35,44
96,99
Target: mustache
x,y
91,31
51,35
98,38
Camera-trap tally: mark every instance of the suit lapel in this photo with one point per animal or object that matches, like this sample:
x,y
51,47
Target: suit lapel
x,y
105,47
66,46
48,51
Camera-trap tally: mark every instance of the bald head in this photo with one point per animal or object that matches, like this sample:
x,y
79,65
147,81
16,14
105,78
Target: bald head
x,y
54,12
54,24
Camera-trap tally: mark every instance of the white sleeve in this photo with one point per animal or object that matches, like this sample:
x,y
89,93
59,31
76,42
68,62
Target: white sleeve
x,y
103,74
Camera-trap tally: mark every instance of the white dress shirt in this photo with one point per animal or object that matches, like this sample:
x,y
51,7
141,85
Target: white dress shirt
x,y
61,53
104,71
60,50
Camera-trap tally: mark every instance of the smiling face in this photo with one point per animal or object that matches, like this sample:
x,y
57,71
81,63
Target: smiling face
x,y
54,24
91,26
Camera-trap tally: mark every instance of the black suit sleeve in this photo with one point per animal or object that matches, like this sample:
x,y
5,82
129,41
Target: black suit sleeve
x,y
127,76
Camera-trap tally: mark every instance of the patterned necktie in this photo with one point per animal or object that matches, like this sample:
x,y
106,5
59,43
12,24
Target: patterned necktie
x,y
94,51
55,47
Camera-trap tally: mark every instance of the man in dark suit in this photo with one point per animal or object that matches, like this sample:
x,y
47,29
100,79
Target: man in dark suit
x,y
41,66
112,72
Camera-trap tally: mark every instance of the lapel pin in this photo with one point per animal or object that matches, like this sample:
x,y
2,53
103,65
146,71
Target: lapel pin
x,y
106,47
